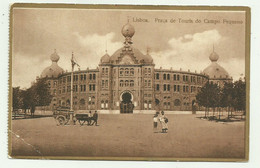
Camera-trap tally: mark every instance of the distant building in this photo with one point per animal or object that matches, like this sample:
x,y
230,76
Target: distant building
x,y
127,82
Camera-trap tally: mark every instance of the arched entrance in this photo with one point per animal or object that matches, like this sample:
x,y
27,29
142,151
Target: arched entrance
x,y
126,105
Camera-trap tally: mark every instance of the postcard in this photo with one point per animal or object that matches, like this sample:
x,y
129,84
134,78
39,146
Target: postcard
x,y
115,82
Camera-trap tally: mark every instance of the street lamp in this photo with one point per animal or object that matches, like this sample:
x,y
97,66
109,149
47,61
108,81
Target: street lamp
x,y
73,63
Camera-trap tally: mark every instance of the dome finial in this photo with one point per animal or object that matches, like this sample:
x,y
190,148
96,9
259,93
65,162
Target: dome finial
x,y
213,56
128,32
55,57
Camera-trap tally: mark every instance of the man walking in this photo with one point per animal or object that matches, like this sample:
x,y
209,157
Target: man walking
x,y
95,118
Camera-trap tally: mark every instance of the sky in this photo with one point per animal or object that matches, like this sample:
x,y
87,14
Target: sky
x,y
88,33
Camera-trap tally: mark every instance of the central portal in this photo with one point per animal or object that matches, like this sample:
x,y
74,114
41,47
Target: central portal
x,y
126,105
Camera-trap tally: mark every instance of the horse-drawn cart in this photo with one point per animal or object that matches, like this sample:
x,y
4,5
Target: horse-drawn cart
x,y
62,117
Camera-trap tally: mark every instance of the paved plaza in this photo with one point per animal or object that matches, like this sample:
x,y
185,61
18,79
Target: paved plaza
x,y
129,135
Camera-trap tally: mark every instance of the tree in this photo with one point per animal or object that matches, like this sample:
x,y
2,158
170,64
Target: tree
x,y
227,98
37,95
209,96
17,101
41,92
240,95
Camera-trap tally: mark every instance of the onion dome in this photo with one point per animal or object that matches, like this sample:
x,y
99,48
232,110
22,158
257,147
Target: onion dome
x,y
214,57
105,59
54,70
214,70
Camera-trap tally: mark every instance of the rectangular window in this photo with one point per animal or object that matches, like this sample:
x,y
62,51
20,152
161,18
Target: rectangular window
x,y
164,87
183,78
68,78
169,87
94,76
178,88
178,77
175,88
94,87
184,88
90,87
174,77
187,88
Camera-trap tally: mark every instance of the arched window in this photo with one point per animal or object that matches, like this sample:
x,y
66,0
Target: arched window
x,y
164,76
177,102
131,83
145,104
106,83
94,76
149,83
169,105
168,76
165,105
90,76
126,72
82,102
106,104
121,83
126,83
132,72
164,87
157,76
174,77
150,105
121,71
102,104
106,70
149,71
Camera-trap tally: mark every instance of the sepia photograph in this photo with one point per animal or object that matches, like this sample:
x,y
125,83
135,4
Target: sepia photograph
x,y
125,82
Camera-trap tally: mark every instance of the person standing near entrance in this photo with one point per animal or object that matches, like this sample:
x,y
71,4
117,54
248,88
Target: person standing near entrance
x,y
95,118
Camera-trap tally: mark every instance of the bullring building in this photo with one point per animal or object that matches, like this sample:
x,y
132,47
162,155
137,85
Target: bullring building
x,y
127,82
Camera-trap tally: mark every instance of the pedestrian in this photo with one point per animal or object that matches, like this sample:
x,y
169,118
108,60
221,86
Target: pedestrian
x,y
95,118
155,122
164,121
89,118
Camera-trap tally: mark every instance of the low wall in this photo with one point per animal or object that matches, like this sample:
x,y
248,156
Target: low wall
x,y
48,112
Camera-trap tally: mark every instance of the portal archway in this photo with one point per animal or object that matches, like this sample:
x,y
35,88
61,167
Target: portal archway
x,y
126,105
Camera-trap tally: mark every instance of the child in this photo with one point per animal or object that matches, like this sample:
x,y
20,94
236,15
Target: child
x,y
155,122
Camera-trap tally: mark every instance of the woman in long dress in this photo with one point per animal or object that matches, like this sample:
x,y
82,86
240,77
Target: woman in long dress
x,y
164,121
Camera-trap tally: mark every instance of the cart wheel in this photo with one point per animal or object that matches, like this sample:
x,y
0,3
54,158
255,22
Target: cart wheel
x,y
61,120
